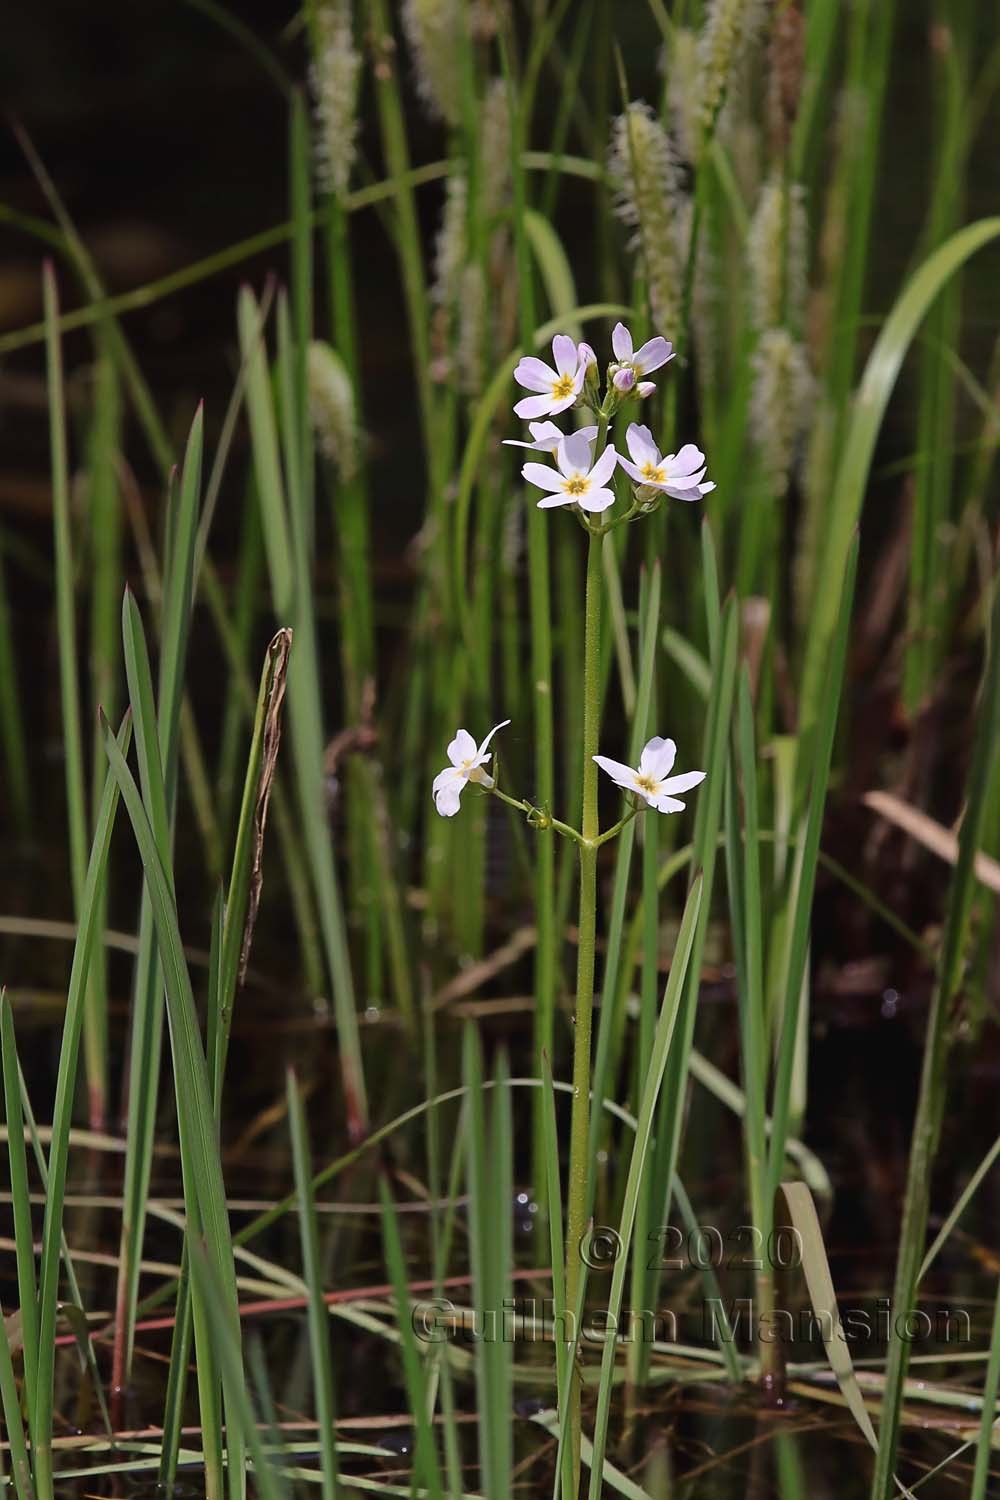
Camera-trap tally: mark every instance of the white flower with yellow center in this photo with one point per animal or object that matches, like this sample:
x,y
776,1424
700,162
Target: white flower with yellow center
x,y
632,365
652,779
559,388
575,481
546,437
467,762
678,474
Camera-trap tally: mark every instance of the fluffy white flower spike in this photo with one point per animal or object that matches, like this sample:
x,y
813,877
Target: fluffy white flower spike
x,y
467,762
678,474
575,481
653,353
652,780
559,387
547,437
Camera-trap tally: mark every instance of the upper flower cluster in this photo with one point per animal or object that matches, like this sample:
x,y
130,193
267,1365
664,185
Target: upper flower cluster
x,y
579,477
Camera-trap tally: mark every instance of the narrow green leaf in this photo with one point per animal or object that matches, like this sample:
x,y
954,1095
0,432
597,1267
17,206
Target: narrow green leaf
x,y
62,1119
319,1318
637,1162
868,409
426,1470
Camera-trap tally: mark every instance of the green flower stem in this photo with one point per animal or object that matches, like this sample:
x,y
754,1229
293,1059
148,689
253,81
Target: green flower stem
x,y
580,1121
542,821
613,832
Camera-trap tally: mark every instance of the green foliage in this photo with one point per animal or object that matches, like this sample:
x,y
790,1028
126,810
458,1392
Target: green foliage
x,y
744,192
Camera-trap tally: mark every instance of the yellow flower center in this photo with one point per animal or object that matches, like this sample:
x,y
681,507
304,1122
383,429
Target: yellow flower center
x,y
646,783
577,485
563,387
651,473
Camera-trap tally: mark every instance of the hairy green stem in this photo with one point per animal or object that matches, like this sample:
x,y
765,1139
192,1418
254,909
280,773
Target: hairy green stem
x,y
580,1122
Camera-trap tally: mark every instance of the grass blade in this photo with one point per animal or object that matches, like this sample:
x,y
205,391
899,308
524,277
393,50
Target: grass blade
x,y
205,1197
930,1100
24,1238
319,1318
426,1470
62,1119
869,407
637,1164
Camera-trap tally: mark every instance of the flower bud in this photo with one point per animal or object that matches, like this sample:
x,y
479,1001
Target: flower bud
x,y
624,378
645,389
592,379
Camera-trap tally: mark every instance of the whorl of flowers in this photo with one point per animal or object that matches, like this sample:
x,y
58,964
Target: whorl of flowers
x,y
495,148
787,57
331,408
642,167
471,318
433,30
777,255
679,65
817,464
334,79
729,25
488,18
782,395
450,245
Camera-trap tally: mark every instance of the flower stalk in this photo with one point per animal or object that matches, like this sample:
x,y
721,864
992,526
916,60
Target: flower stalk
x,y
581,482
576,1208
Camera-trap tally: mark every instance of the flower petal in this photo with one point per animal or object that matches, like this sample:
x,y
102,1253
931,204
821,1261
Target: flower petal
x,y
684,782
686,481
665,804
542,476
588,432
573,455
534,374
605,465
565,354
546,438
657,758
462,747
654,353
595,500
623,775
678,493
448,794
538,406
481,755
548,501
687,460
632,470
641,445
621,343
